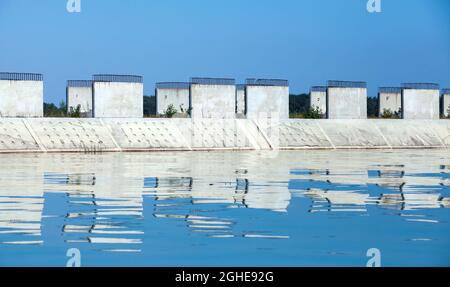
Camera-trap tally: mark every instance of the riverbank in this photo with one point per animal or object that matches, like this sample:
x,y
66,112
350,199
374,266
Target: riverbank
x,y
18,135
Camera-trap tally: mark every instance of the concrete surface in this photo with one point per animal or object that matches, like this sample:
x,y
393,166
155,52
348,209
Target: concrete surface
x,y
176,96
118,100
446,105
80,96
390,101
318,100
346,103
240,100
21,98
421,104
123,134
267,102
213,101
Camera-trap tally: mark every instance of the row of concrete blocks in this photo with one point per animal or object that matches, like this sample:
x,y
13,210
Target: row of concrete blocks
x,y
22,95
348,100
223,99
111,134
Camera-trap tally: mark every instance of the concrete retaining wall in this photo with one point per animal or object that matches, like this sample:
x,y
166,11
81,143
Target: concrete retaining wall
x,y
267,102
446,105
213,101
390,102
177,97
21,98
240,100
421,104
346,103
118,100
318,100
121,134
80,96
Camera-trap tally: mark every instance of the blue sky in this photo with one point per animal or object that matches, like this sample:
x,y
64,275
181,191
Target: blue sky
x,y
307,42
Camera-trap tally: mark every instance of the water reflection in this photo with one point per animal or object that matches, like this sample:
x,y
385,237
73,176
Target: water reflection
x,y
110,201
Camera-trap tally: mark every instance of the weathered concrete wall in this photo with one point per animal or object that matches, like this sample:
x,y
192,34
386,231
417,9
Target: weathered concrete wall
x,y
21,98
390,102
121,134
177,97
213,101
318,100
267,102
80,96
118,100
421,104
240,100
446,105
346,103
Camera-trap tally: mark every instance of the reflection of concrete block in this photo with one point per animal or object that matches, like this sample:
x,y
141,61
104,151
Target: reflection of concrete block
x,y
79,93
420,101
118,96
347,100
390,99
213,98
176,94
267,99
21,95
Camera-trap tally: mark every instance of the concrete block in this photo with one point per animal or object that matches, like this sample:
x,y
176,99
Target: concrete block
x,y
79,93
446,103
318,99
21,95
346,100
213,98
390,99
117,96
420,101
176,94
240,99
267,99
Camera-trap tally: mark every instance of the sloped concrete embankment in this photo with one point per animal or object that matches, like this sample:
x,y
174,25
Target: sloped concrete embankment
x,y
115,135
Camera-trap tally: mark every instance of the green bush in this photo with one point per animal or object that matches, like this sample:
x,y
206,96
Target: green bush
x,y
171,111
75,113
388,114
313,113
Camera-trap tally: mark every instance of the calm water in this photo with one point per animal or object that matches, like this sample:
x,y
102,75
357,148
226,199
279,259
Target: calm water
x,y
293,208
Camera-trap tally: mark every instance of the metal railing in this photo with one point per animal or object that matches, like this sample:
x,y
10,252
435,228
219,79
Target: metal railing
x,y
21,77
319,89
420,86
346,84
79,83
446,91
390,90
267,82
118,78
173,85
240,87
213,81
